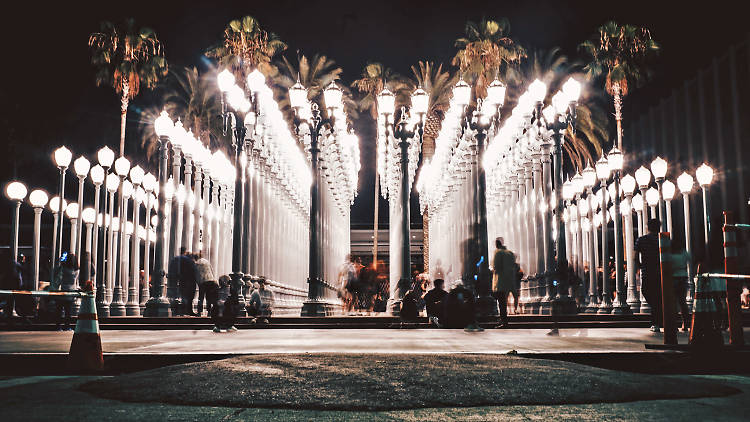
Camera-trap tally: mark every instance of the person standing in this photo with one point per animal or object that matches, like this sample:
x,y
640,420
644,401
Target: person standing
x,y
505,271
69,275
208,285
680,262
183,272
10,279
648,248
261,302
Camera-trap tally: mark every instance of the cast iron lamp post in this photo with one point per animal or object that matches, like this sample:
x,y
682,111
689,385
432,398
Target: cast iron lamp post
x,y
81,166
667,194
705,175
628,187
38,199
62,160
589,181
16,192
602,173
659,169
685,183
620,305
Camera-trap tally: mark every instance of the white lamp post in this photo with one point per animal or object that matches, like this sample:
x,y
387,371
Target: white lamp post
x,y
149,184
54,206
603,173
16,192
643,177
659,169
628,187
88,217
112,185
589,181
620,306
667,194
38,199
653,198
81,166
705,175
685,183
133,306
72,213
62,160
97,177
117,307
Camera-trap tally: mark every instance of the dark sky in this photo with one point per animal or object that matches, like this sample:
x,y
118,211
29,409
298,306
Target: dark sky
x,y
48,96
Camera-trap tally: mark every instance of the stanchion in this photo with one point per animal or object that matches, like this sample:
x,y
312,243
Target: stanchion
x,y
667,289
733,286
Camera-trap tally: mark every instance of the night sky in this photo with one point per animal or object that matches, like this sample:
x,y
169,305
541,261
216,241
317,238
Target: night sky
x,y
48,96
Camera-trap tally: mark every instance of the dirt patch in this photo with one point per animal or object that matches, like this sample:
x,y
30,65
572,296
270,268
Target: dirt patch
x,y
385,382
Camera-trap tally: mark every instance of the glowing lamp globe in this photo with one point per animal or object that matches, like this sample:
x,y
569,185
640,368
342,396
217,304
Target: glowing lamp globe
x,y
256,81
122,166
704,174
63,157
560,103
163,125
127,189
115,224
583,207
140,195
54,204
88,215
538,90
419,101
136,175
667,190
113,182
615,159
225,80
685,182
643,177
462,93
611,192
602,169
386,102
169,189
572,90
567,191
105,156
637,202
97,174
128,227
578,185
38,198
549,113
332,96
659,168
149,182
627,183
178,135
589,176
81,166
496,93
154,220
652,197
16,191
71,211
297,95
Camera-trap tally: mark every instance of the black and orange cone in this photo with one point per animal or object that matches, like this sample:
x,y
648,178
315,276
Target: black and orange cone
x,y
86,348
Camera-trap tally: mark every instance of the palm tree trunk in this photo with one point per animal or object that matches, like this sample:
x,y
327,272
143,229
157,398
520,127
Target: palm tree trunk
x,y
375,225
123,114
618,112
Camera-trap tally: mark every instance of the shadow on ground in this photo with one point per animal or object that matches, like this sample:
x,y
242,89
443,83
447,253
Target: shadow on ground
x,y
389,382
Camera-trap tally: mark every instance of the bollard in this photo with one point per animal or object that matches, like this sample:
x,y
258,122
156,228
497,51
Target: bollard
x,y
733,286
667,289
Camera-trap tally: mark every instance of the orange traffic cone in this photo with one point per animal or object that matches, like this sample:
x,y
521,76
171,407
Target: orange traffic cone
x,y
704,329
86,348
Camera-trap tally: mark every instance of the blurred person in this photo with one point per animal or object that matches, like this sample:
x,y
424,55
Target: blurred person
x,y
183,273
412,303
648,248
434,300
208,285
504,278
680,261
69,271
460,308
261,302
11,278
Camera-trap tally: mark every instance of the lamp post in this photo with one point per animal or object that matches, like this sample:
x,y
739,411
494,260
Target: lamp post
x,y
603,173
133,306
628,187
620,306
659,169
81,167
38,199
112,184
97,177
589,181
62,160
16,192
705,175
652,198
150,184
71,211
88,217
106,158
117,307
55,206
667,194
685,183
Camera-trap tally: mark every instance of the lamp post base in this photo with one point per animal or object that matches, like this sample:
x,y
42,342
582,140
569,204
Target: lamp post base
x,y
133,309
117,309
102,310
158,307
605,307
620,307
315,308
593,306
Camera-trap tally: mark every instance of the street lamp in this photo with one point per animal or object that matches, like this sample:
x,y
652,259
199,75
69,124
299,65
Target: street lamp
x,y
88,217
72,213
615,159
659,169
112,184
589,181
603,173
667,194
158,304
97,177
54,206
133,306
705,175
81,167
628,185
38,199
16,192
62,160
685,183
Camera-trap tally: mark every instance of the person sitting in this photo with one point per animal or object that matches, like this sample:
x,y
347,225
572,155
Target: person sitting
x,y
434,303
411,304
459,308
261,302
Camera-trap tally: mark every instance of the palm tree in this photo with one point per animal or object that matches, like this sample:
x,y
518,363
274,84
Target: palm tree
x,y
375,77
194,98
439,86
247,46
126,58
619,52
486,50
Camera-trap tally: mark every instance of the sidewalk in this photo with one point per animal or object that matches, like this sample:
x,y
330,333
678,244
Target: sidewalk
x,y
524,341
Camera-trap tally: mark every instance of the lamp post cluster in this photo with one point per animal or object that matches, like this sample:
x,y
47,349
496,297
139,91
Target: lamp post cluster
x,y
399,146
331,175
